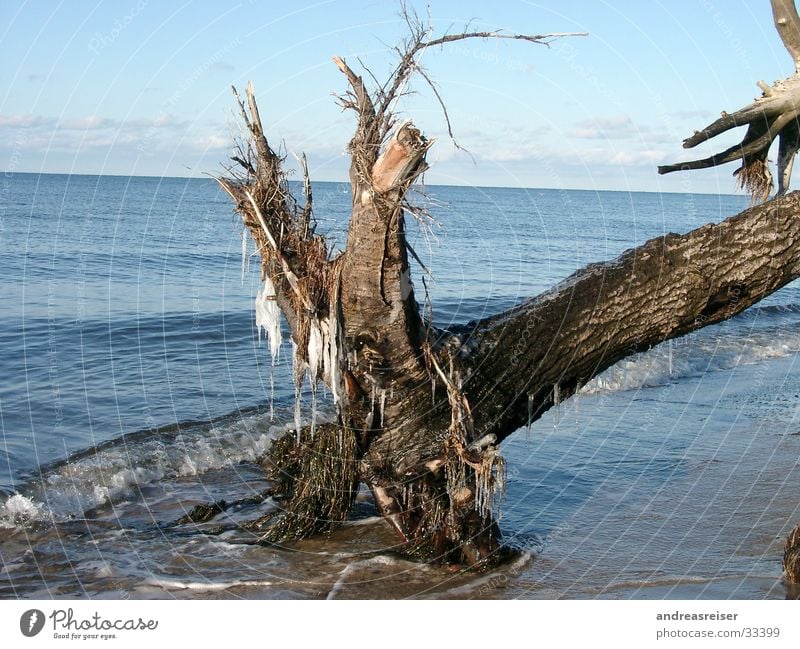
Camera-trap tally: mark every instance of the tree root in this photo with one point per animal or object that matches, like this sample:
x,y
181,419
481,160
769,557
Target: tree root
x,y
317,475
772,116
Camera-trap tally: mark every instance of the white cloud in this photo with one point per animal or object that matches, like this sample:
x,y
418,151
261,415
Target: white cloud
x,y
25,121
512,153
162,121
211,142
633,158
615,127
42,135
90,122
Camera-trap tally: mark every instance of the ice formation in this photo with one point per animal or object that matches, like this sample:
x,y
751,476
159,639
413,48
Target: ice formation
x,y
244,254
557,404
316,343
335,350
268,317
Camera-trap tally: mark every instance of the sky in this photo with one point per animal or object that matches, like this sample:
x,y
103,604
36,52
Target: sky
x,y
139,87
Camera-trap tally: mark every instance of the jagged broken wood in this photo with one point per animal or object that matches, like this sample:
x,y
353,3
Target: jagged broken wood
x,y
773,115
421,411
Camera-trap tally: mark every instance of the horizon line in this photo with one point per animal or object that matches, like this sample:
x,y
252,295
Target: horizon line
x,y
208,176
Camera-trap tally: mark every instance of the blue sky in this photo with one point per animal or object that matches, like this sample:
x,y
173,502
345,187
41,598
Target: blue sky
x,y
143,87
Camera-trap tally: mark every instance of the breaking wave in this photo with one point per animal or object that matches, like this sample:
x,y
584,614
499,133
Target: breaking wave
x,y
723,347
115,471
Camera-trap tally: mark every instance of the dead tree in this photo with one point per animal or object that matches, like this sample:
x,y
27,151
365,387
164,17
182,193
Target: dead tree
x,y
421,411
773,115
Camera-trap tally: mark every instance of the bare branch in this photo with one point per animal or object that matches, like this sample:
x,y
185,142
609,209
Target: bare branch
x,y
540,39
773,115
290,276
756,141
432,85
357,84
741,117
787,22
306,227
788,146
418,44
366,141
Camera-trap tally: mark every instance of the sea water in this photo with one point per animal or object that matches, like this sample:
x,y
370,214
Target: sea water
x,y
134,385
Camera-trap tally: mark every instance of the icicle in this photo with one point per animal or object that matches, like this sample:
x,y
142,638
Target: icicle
x,y
271,393
530,417
315,351
383,405
244,253
313,410
297,419
299,373
669,342
268,317
557,404
334,367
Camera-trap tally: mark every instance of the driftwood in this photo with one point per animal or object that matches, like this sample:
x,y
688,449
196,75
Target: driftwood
x,y
773,115
421,411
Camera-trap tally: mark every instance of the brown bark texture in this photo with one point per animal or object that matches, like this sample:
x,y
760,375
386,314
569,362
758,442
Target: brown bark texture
x,y
421,412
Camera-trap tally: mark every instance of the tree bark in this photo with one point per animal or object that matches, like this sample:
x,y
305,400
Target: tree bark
x,y
787,22
516,365
421,412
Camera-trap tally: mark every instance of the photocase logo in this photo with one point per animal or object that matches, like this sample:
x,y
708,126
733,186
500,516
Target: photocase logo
x,y
31,622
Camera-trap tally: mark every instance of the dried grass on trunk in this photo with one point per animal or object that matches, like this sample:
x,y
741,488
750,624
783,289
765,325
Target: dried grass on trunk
x,y
318,475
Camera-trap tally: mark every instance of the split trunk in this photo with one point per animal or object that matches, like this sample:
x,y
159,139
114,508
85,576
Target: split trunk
x,y
421,412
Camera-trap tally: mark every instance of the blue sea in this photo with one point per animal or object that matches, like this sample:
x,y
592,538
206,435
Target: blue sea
x,y
134,386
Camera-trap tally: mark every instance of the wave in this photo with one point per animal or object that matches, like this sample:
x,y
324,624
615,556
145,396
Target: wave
x,y
771,309
714,349
201,586
114,471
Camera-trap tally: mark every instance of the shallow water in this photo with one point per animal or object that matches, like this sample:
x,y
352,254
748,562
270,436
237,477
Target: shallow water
x,y
133,387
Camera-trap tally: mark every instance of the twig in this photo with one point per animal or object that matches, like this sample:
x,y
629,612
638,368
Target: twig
x,y
290,276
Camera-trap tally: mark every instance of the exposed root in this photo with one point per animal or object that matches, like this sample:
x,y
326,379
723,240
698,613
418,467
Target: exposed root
x,y
755,178
449,512
344,306
772,116
475,468
447,528
318,477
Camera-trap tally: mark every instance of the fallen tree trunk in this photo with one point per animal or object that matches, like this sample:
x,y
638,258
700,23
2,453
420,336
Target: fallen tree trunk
x,y
513,367
421,412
